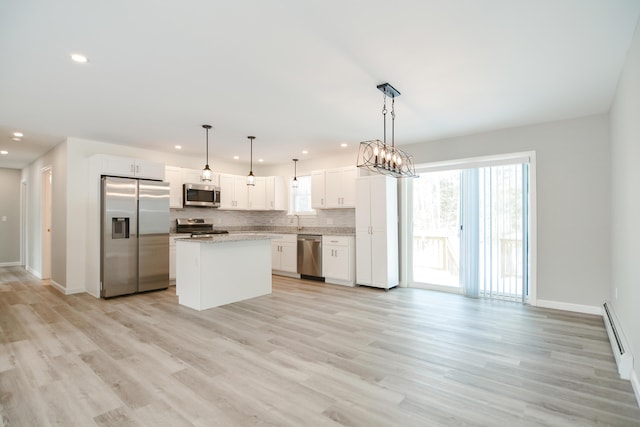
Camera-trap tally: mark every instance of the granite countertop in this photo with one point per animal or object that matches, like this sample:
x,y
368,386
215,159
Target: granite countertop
x,y
223,238
266,230
326,231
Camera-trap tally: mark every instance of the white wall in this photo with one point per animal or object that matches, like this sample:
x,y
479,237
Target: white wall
x,y
573,210
625,198
9,217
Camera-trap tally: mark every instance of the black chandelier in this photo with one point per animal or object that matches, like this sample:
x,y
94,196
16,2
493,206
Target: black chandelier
x,y
377,156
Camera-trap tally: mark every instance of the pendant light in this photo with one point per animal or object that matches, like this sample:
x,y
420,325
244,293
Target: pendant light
x,y
376,156
294,183
206,172
250,178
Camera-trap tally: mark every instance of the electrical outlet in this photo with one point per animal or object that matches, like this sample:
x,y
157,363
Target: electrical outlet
x,y
4,218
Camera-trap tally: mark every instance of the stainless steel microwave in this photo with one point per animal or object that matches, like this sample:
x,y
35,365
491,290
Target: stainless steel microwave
x,y
202,195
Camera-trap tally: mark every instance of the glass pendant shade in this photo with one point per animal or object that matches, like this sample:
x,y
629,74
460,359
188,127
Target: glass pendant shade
x,y
251,180
294,182
206,174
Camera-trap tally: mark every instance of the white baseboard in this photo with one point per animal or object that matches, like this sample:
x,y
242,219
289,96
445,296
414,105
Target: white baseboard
x,y
10,264
64,290
635,383
285,273
74,291
34,272
58,286
578,308
340,282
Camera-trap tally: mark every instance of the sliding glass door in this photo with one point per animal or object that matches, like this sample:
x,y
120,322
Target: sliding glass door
x,y
470,231
503,219
436,228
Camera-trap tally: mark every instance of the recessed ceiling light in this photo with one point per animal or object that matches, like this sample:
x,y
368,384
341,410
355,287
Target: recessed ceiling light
x,y
261,160
343,145
15,138
81,59
178,147
18,134
236,157
305,152
4,152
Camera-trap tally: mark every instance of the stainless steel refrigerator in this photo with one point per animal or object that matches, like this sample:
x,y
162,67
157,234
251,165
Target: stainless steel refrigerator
x,y
134,236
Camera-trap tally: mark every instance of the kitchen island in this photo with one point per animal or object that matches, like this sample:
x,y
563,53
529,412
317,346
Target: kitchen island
x,y
218,270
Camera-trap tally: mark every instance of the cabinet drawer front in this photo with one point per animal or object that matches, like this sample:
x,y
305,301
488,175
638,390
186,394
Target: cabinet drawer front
x,y
336,240
286,238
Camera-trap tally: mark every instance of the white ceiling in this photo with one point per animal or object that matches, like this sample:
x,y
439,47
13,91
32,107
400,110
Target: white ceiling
x,y
299,74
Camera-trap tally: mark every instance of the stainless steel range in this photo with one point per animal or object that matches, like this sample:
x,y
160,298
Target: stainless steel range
x,y
196,227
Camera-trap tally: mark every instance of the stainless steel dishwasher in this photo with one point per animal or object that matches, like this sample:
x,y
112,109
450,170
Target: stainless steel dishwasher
x,y
310,256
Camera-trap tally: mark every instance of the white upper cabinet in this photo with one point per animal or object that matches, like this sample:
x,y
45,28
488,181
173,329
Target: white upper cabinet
x,y
340,187
334,188
173,176
257,194
275,193
191,176
317,190
128,167
233,192
267,193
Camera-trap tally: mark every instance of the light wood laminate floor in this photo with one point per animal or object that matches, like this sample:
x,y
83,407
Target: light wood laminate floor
x,y
309,354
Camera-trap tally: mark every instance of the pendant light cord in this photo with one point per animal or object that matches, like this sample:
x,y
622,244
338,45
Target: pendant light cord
x,y
393,123
384,120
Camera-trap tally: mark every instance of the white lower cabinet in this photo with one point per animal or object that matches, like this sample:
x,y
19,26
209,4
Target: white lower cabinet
x,y
338,260
172,254
284,254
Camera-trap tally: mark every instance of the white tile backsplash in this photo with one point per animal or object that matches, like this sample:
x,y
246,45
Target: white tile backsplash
x,y
341,218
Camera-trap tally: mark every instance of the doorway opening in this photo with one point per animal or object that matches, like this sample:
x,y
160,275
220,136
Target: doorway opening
x,y
47,194
24,217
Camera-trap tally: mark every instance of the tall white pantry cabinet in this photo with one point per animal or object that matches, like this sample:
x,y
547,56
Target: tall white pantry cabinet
x,y
377,231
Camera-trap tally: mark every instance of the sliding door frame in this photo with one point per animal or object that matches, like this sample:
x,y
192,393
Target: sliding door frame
x,y
406,215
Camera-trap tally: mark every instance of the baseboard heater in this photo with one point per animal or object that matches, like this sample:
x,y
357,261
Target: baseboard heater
x,y
624,358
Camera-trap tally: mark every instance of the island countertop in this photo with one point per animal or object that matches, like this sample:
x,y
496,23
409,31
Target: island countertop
x,y
223,238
